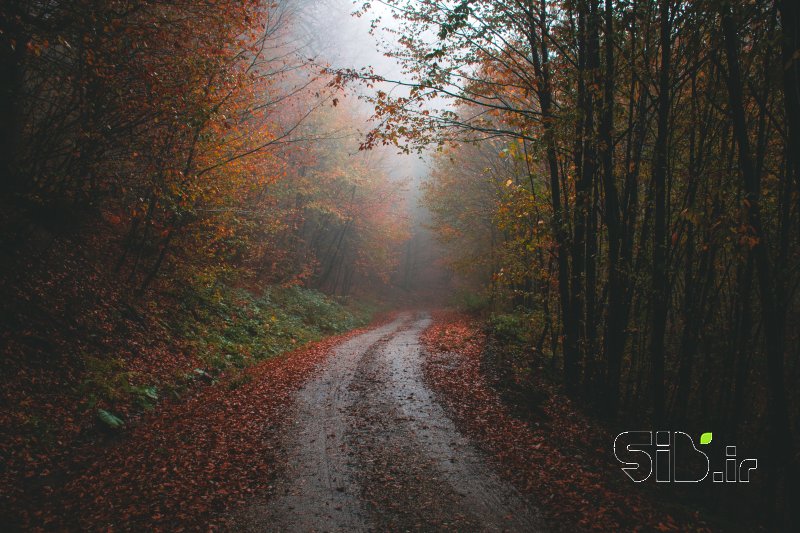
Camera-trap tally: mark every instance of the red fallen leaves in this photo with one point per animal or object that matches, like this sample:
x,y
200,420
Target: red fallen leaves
x,y
188,463
558,461
58,316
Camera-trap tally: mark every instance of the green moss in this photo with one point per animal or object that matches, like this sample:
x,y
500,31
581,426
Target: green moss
x,y
235,328
230,329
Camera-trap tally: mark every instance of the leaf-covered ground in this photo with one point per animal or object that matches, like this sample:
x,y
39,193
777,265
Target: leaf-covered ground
x,y
187,464
182,466
372,450
559,455
75,344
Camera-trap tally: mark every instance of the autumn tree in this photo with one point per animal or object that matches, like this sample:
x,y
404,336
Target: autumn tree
x,y
661,137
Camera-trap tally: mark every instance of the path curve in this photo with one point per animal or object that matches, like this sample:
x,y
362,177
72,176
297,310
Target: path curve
x,y
372,450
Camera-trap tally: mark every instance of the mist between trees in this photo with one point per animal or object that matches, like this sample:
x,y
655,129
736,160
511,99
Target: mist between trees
x,y
623,176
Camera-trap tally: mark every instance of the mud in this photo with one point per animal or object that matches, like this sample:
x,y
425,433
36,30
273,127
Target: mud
x,y
372,450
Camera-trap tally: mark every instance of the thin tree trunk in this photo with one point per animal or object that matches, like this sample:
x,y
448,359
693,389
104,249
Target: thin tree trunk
x,y
540,53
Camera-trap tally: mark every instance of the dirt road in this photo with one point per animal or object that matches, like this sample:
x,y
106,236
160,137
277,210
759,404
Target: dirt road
x,y
372,450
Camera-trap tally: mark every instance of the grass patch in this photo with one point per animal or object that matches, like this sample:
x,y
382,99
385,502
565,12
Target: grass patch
x,y
228,329
234,328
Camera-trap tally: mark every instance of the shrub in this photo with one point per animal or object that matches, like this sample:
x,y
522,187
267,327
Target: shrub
x,y
234,327
472,302
510,328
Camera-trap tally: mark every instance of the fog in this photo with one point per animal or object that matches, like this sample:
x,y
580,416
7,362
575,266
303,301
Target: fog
x,y
332,35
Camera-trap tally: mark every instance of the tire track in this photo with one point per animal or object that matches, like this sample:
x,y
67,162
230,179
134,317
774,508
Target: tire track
x,y
371,450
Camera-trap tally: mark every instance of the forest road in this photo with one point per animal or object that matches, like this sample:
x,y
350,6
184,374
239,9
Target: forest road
x,y
372,450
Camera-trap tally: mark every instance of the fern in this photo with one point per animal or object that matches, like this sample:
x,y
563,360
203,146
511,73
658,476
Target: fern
x,y
110,420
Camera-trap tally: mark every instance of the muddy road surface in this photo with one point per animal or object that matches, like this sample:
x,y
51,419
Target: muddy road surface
x,y
370,449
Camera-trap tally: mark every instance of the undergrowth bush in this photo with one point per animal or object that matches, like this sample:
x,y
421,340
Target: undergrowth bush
x,y
228,329
510,328
234,327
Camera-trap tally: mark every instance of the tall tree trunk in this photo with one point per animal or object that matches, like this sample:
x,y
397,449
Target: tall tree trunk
x,y
790,25
13,45
658,298
594,144
614,335
770,289
540,54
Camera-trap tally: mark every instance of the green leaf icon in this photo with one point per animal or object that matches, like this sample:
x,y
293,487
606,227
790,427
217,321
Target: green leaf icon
x,y
705,438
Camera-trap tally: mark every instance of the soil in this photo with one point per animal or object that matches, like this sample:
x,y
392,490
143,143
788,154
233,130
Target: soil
x,y
372,450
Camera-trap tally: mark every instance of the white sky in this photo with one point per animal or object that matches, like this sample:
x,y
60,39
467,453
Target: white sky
x,y
344,41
